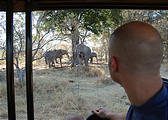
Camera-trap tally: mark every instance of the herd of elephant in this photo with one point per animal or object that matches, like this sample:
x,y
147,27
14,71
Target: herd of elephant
x,y
82,55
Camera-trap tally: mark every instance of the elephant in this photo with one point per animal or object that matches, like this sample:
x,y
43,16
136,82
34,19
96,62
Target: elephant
x,y
51,56
92,55
59,54
81,55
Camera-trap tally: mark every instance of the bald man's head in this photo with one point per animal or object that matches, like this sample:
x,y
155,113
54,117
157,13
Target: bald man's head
x,y
137,46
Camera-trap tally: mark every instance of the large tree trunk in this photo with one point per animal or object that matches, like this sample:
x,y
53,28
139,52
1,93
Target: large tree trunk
x,y
75,42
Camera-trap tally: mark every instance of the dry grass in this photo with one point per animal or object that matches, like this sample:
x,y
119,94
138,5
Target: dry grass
x,y
91,71
2,76
106,80
3,91
64,91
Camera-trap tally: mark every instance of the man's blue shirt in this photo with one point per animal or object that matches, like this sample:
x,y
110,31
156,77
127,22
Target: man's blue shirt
x,y
154,109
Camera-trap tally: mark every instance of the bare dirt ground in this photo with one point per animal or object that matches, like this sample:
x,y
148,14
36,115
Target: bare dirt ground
x,y
63,91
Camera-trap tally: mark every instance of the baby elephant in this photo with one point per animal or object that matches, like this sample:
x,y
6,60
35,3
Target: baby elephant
x,y
92,55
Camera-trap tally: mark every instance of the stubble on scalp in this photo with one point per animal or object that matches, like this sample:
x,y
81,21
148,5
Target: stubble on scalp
x,y
138,47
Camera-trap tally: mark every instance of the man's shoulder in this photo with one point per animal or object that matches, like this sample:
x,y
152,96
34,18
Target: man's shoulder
x,y
154,109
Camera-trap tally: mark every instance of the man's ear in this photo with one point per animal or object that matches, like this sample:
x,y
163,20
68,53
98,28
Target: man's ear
x,y
114,64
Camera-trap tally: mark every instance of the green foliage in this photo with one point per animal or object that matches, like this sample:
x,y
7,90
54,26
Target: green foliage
x,y
94,20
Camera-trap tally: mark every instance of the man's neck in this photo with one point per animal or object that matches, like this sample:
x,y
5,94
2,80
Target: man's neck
x,y
140,89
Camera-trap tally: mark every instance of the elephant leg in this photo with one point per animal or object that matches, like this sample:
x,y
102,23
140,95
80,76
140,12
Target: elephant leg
x,y
56,60
49,64
86,61
53,64
72,65
91,60
79,60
